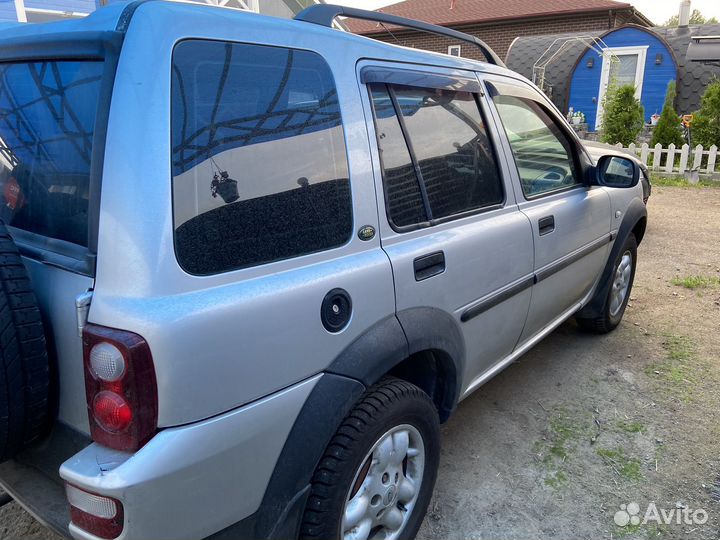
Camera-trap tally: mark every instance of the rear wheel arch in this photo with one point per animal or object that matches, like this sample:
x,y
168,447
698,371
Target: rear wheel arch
x,y
434,372
422,345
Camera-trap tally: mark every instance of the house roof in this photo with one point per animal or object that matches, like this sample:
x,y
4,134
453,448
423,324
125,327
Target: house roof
x,y
462,12
693,77
525,51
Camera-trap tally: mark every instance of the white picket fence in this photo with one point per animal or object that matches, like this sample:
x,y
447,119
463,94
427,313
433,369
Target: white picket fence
x,y
675,160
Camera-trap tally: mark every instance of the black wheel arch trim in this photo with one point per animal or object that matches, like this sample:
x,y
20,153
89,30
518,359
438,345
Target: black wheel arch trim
x,y
635,213
283,503
431,329
373,353
361,364
397,337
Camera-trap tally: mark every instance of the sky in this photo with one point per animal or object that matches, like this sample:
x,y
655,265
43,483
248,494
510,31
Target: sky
x,y
658,11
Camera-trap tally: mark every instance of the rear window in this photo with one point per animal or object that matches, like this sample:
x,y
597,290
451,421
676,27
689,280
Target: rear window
x,y
258,156
47,121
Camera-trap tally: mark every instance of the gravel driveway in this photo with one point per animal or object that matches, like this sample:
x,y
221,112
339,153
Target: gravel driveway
x,y
553,446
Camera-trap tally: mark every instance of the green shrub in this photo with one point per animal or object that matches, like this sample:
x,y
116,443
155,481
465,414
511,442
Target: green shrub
x,y
668,128
706,124
623,116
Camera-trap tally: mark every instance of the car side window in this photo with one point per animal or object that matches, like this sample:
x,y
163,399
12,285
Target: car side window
x,y
437,158
404,201
543,154
259,166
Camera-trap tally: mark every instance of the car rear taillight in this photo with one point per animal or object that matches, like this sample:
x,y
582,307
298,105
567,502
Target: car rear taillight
x,y
120,387
96,514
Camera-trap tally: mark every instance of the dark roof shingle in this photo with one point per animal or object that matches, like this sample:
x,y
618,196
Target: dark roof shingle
x,y
480,11
693,77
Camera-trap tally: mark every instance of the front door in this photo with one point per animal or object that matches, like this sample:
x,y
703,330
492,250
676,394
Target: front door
x,y
455,238
570,220
622,66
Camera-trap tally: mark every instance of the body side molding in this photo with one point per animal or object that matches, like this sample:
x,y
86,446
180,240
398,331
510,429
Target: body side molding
x,y
520,285
498,297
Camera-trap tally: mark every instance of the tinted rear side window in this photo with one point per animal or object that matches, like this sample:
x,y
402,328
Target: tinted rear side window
x,y
452,148
437,159
402,190
47,122
258,156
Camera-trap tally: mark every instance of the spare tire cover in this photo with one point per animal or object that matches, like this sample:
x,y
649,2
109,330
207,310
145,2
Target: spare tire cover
x,y
24,369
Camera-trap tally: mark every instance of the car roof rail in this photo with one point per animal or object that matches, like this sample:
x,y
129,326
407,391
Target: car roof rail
x,y
325,15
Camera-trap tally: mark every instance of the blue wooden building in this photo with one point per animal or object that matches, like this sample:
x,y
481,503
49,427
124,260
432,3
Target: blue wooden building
x,y
632,55
574,68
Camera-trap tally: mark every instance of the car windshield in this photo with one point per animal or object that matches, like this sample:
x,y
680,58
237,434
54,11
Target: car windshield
x,y
47,121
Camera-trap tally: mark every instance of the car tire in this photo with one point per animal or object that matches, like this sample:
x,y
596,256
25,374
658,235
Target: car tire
x,y
618,294
387,445
24,369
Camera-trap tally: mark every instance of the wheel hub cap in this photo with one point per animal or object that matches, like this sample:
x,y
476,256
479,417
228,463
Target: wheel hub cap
x,y
621,283
389,497
384,501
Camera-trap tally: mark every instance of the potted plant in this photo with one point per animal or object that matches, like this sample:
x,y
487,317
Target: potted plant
x,y
578,118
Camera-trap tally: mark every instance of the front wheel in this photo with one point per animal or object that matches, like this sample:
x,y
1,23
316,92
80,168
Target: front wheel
x,y
378,472
619,292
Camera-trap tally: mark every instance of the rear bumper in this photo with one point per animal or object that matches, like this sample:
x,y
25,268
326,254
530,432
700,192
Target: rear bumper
x,y
38,494
32,478
186,482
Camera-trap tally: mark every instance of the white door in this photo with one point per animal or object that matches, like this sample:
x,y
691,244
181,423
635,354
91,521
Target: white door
x,y
622,66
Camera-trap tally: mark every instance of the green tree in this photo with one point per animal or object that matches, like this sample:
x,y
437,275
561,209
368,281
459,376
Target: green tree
x,y
695,18
706,122
668,128
623,116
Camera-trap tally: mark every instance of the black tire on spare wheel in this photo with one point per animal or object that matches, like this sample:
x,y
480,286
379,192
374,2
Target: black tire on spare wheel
x,y
24,369
378,472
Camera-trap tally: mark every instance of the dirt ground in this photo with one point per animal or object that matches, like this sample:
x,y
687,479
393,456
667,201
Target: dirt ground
x,y
554,445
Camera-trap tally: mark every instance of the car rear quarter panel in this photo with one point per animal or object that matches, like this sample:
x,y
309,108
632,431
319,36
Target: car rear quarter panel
x,y
224,340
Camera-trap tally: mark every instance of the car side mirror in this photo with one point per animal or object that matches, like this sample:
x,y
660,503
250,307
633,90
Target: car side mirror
x,y
617,172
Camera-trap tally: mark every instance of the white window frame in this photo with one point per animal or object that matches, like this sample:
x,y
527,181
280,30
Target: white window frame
x,y
453,48
59,14
20,10
641,52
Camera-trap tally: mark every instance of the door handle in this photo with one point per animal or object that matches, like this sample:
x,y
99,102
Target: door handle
x,y
546,225
429,265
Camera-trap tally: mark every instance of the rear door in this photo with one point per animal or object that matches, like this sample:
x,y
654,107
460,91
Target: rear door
x,y
570,220
50,155
449,223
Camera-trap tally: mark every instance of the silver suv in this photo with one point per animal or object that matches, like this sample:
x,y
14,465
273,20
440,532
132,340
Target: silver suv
x,y
251,264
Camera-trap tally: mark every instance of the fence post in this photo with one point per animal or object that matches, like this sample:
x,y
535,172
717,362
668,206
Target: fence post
x,y
631,148
670,163
712,154
697,159
657,153
644,153
684,155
